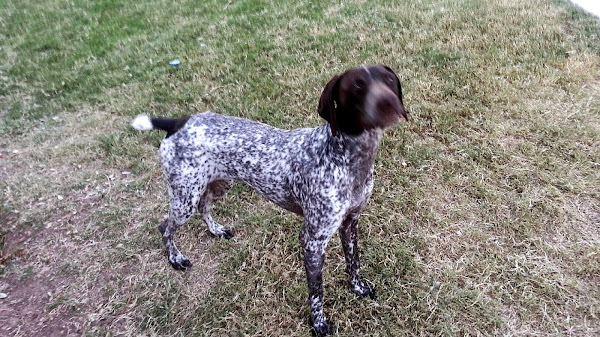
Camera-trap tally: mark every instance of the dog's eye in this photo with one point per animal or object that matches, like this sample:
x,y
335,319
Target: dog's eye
x,y
390,79
359,84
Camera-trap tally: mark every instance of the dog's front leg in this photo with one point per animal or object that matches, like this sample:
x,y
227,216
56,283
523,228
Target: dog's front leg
x,y
349,236
314,238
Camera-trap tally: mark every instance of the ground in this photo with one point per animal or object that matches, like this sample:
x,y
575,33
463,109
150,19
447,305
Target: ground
x,y
485,217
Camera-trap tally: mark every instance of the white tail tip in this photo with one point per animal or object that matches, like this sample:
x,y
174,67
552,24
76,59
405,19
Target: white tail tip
x,y
142,122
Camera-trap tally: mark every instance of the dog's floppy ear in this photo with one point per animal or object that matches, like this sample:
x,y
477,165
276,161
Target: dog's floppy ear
x,y
404,112
397,82
328,102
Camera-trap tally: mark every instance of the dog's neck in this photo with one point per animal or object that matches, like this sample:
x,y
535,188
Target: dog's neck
x,y
356,151
361,151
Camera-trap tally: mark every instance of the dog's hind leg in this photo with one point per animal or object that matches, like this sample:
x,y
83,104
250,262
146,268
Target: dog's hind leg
x,y
184,200
214,191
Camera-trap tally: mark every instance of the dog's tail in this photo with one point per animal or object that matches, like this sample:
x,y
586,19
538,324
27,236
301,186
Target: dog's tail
x,y
171,125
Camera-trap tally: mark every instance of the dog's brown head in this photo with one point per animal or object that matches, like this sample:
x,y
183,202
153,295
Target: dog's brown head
x,y
361,99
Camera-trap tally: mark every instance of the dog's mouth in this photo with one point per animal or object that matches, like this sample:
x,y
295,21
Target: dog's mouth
x,y
403,112
387,112
383,107
398,108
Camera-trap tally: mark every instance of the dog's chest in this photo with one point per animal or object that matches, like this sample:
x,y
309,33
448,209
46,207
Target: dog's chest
x,y
361,187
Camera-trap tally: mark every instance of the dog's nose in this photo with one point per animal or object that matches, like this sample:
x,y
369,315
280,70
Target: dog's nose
x,y
391,105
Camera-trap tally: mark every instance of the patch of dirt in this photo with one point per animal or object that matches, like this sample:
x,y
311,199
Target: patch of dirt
x,y
28,309
33,284
34,249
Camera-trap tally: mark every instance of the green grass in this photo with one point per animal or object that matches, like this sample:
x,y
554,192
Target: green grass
x,y
485,215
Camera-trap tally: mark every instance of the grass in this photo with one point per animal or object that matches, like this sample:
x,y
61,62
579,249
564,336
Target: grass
x,y
485,215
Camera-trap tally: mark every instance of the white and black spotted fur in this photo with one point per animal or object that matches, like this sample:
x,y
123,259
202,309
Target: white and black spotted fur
x,y
324,174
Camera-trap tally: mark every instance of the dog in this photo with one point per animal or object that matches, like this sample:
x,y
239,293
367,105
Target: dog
x,y
324,174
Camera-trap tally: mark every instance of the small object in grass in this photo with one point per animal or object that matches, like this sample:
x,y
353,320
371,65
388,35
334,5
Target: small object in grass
x,y
174,62
59,197
404,164
3,295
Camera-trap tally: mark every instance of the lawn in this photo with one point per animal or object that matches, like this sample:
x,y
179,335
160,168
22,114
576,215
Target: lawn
x,y
484,219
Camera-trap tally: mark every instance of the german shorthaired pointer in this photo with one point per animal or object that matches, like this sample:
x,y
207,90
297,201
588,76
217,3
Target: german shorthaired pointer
x,y
324,174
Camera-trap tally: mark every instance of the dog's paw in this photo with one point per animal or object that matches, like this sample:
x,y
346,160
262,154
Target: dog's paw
x,y
363,290
226,233
180,262
371,293
321,329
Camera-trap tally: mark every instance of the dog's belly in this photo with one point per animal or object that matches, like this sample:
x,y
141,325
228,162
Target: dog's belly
x,y
274,190
265,180
285,203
